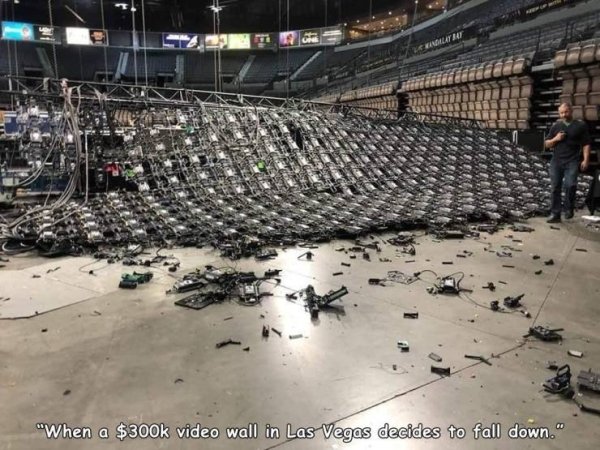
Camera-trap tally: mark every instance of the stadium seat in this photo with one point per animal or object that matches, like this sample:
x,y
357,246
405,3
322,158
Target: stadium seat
x,y
507,68
522,125
523,114
519,66
588,54
445,79
560,59
573,56
524,103
591,113
566,98
566,74
568,87
479,73
578,112
497,72
488,71
472,74
580,99
464,76
594,98
582,85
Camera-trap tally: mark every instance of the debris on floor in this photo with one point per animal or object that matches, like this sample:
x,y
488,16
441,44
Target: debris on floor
x,y
227,342
435,357
444,371
131,281
403,346
544,333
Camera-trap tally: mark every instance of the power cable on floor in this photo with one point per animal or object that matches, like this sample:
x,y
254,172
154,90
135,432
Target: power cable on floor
x,y
395,396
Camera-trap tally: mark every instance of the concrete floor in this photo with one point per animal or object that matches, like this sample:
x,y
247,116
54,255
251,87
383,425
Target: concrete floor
x,y
132,356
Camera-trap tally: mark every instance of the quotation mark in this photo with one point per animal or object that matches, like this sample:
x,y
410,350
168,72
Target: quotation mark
x,y
560,426
39,426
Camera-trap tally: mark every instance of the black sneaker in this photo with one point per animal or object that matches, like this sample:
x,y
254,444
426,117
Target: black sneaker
x,y
553,219
569,215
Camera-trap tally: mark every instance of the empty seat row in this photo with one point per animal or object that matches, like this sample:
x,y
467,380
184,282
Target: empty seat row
x,y
370,92
588,112
487,71
592,98
586,53
452,111
508,124
487,105
581,85
442,96
389,102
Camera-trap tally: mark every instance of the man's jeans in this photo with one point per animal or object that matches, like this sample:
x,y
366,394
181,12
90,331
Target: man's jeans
x,y
568,171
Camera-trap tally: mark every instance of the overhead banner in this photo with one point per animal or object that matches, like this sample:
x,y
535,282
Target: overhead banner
x,y
289,38
543,6
238,41
263,40
17,31
181,40
85,36
213,41
444,41
310,37
45,33
98,37
332,35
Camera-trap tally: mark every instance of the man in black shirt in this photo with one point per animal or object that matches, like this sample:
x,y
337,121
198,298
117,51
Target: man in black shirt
x,y
566,138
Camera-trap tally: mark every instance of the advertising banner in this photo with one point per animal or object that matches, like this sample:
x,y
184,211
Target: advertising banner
x,y
310,37
181,40
263,40
45,33
213,41
238,41
444,41
78,36
332,35
289,38
98,37
543,6
85,36
17,31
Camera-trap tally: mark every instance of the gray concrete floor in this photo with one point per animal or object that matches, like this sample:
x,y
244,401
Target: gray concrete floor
x,y
119,352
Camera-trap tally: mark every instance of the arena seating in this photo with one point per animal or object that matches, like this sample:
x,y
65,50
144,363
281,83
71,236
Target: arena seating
x,y
579,67
497,93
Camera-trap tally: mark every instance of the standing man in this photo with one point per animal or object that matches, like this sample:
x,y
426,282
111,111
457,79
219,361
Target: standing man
x,y
566,139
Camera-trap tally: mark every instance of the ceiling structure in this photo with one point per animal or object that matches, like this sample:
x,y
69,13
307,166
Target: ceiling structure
x,y
197,16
